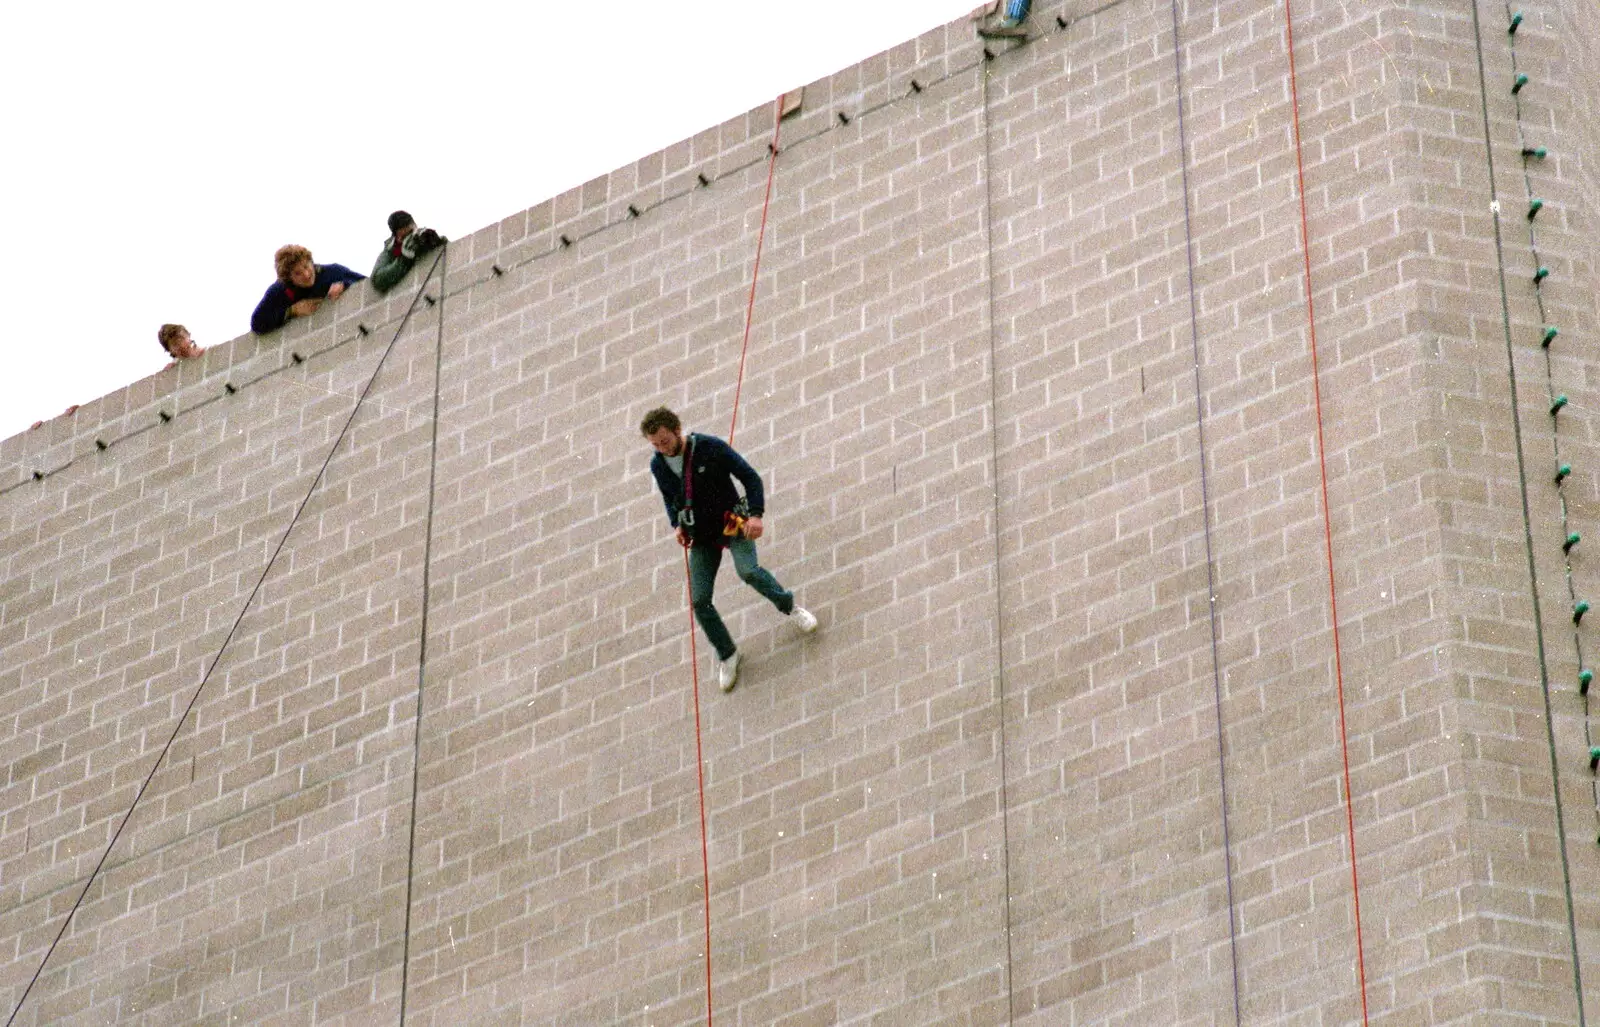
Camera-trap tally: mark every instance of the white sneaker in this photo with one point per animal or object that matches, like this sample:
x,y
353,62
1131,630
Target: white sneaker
x,y
804,619
728,671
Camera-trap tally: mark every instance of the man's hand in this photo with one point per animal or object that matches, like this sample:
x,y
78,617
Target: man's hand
x,y
304,308
683,537
335,290
752,528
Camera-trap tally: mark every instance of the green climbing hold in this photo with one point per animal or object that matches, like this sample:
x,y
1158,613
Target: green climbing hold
x,y
1535,151
1550,333
1534,207
1584,677
1562,472
1516,22
1579,608
1561,401
1594,756
1540,275
1572,539
1516,87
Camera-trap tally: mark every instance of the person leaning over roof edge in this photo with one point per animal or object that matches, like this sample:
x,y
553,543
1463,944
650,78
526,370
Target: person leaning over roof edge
x,y
176,341
300,289
695,476
405,244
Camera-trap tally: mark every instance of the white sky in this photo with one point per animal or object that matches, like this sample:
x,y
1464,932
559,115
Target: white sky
x,y
158,153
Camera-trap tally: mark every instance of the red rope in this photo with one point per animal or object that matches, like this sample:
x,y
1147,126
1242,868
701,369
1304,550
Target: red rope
x,y
750,308
700,769
694,660
1327,517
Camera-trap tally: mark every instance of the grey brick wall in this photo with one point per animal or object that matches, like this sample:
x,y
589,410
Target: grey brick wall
x,y
990,790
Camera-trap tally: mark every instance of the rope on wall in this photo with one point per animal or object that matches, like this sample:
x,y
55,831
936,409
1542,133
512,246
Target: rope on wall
x,y
1563,472
1205,510
422,652
999,605
1327,513
206,678
694,661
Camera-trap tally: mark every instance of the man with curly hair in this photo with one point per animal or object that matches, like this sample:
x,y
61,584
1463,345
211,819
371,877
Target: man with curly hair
x,y
695,476
300,289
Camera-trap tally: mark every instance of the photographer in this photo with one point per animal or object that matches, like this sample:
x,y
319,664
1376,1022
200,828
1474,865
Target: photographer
x,y
405,244
695,476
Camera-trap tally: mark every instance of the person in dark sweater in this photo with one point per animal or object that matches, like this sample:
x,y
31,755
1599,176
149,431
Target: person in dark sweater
x,y
300,289
405,244
695,476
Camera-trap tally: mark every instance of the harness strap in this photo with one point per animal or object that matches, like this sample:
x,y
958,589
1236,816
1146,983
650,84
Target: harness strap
x,y
686,512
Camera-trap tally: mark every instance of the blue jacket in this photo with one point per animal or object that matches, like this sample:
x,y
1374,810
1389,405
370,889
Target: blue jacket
x,y
273,310
715,466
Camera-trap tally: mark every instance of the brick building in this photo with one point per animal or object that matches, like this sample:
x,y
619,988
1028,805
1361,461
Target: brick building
x,y
1030,381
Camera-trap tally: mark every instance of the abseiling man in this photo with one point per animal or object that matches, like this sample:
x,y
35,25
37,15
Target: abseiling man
x,y
695,476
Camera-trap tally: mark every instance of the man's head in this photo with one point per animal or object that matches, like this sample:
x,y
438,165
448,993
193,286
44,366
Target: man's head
x,y
294,266
665,432
176,341
401,224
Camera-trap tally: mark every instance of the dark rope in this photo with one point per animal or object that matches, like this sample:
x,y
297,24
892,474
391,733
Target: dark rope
x,y
1555,433
1205,508
999,605
160,758
422,653
1527,519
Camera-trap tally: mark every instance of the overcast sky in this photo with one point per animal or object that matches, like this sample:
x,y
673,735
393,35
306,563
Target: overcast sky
x,y
158,153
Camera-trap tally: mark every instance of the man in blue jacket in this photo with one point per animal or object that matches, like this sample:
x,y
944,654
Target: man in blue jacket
x,y
695,476
300,289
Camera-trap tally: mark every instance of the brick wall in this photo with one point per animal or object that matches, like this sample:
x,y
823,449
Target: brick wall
x,y
1057,524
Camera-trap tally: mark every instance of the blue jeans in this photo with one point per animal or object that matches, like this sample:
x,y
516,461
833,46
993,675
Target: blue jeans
x,y
703,564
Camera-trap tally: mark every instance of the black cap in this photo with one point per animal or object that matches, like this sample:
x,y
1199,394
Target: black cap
x,y
398,220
